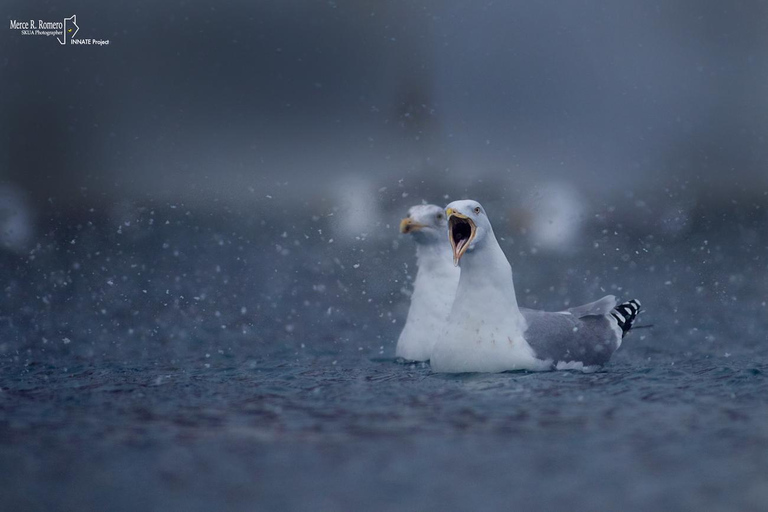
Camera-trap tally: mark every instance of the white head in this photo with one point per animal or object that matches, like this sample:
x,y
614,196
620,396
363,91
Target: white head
x,y
468,227
426,222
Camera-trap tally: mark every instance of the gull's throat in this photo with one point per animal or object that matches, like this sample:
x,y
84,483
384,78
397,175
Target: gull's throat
x,y
461,232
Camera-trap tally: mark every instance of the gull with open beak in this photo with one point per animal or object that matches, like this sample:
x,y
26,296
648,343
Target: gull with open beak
x,y
486,331
435,284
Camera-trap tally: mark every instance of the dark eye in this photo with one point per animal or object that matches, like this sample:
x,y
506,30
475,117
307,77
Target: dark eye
x,y
439,216
477,210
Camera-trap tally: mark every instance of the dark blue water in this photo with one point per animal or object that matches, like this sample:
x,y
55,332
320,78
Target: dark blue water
x,y
185,366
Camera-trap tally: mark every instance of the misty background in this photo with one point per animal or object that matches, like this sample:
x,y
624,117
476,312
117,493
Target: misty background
x,y
201,102
236,164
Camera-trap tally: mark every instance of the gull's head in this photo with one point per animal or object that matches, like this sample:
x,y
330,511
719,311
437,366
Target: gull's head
x,y
468,226
426,222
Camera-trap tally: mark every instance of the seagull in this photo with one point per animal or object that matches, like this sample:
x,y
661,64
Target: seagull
x,y
486,331
435,285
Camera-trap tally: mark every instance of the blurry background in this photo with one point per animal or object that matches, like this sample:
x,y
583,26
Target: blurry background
x,y
302,131
198,102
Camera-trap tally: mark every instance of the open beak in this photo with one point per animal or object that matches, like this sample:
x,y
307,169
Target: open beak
x,y
408,225
461,231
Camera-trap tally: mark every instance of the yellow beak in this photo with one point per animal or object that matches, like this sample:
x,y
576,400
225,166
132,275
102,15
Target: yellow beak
x,y
451,212
408,225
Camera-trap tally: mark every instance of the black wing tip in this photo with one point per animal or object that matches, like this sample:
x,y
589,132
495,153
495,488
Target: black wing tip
x,y
625,314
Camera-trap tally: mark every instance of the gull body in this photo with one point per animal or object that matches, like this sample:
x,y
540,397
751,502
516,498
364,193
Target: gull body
x,y
435,283
486,331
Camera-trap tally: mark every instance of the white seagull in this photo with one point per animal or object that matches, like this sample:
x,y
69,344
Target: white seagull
x,y
435,285
487,331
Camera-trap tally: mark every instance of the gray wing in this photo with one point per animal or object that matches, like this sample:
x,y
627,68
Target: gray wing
x,y
564,337
599,307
